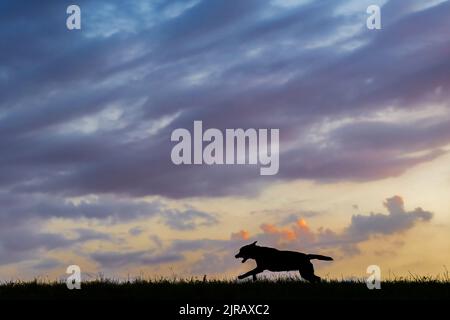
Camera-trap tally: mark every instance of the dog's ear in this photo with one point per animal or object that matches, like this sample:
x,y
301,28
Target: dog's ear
x,y
254,243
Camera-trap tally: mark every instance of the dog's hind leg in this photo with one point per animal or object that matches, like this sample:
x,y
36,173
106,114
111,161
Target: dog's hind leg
x,y
307,272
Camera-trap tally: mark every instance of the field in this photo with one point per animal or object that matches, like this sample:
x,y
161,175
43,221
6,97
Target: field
x,y
233,291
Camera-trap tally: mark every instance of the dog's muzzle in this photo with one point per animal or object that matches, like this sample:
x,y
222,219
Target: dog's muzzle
x,y
239,256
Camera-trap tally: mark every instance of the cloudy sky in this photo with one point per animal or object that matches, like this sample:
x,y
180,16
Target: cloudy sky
x,y
86,117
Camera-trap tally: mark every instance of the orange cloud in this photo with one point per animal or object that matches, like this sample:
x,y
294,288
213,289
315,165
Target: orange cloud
x,y
269,228
287,233
241,235
301,223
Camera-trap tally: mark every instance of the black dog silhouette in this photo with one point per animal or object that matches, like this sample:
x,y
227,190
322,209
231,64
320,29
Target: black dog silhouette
x,y
276,260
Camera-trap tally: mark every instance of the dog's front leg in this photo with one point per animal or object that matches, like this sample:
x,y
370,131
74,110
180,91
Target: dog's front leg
x,y
245,275
253,273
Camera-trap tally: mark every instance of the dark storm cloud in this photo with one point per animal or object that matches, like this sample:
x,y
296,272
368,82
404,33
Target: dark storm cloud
x,y
47,264
25,242
120,259
136,231
86,234
228,63
397,220
189,219
20,208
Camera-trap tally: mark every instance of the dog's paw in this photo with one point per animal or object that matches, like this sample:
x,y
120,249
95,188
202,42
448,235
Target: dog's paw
x,y
241,277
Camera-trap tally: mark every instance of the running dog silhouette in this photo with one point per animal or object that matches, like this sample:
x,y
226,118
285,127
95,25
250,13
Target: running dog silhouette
x,y
276,260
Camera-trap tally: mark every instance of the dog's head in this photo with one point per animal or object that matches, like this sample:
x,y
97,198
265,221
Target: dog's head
x,y
246,252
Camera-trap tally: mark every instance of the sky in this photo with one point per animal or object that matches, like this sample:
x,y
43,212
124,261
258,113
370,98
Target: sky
x,y
86,118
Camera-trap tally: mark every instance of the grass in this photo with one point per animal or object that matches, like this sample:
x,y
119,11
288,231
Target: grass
x,y
281,289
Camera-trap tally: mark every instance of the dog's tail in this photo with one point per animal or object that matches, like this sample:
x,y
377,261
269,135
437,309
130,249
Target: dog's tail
x,y
318,257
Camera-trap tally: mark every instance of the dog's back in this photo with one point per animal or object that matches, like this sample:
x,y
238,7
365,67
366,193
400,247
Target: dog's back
x,y
278,260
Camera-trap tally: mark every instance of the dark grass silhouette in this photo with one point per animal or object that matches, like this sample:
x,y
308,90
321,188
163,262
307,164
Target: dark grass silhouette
x,y
272,259
280,289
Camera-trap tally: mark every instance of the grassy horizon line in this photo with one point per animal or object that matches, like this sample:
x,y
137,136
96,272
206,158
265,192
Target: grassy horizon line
x,y
193,289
